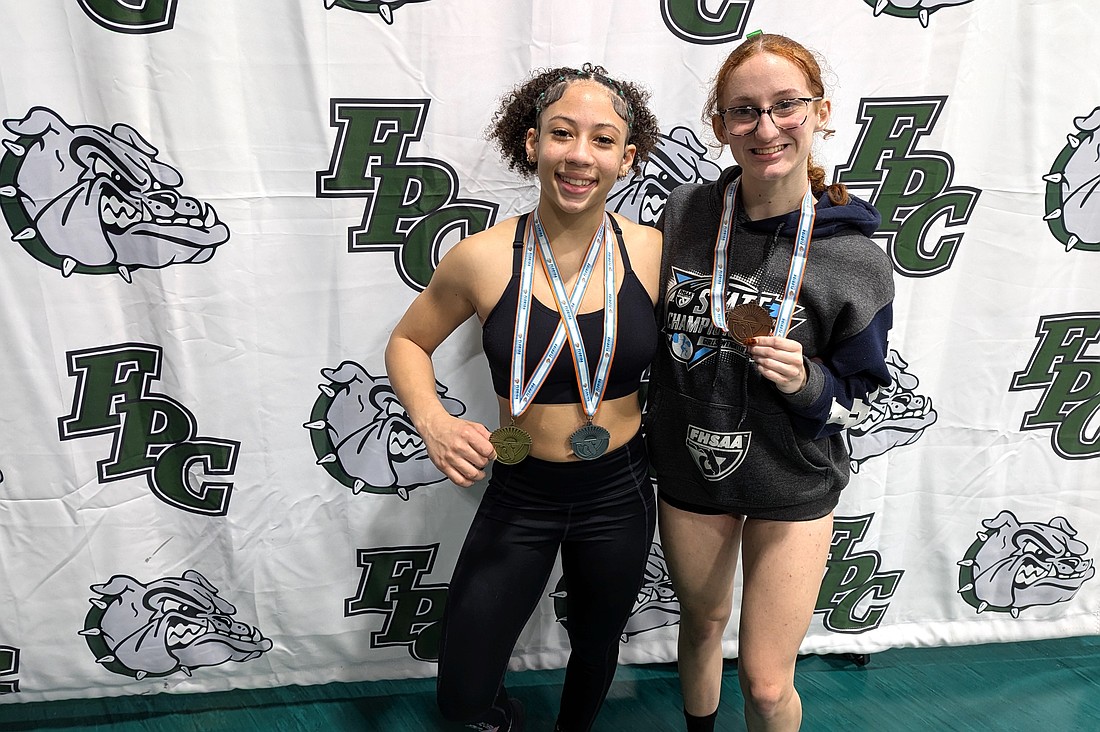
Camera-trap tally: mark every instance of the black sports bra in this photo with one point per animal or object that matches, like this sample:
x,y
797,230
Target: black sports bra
x,y
635,337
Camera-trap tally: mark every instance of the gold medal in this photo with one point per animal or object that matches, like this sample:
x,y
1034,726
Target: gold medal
x,y
511,443
748,320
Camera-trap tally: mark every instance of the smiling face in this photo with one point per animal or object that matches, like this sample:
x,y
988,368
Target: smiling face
x,y
581,149
771,158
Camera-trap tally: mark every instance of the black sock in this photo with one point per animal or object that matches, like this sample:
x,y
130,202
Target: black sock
x,y
502,715
701,724
516,717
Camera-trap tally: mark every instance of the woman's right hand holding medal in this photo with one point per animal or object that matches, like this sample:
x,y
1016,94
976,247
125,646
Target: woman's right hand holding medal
x,y
458,447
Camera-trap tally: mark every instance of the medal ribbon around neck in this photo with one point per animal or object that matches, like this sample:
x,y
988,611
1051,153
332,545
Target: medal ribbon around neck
x,y
591,391
807,214
520,396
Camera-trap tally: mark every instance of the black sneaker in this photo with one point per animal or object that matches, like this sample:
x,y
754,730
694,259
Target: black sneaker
x,y
518,716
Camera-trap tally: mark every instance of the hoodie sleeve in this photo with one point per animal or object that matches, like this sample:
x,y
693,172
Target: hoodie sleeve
x,y
842,384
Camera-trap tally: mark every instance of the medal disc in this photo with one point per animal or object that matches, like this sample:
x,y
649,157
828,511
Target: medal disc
x,y
511,443
748,320
589,442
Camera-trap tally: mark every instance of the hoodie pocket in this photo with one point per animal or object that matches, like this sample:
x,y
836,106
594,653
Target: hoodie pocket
x,y
735,456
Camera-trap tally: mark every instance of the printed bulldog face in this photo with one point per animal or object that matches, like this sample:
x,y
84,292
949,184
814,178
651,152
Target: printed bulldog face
x,y
365,438
922,4
384,8
897,418
655,607
171,624
97,202
1016,565
677,159
1074,209
910,8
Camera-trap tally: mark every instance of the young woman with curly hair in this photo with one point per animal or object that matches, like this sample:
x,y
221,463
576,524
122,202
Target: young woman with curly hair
x,y
565,295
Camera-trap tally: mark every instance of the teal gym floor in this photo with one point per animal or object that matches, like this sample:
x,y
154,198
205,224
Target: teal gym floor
x,y
1044,686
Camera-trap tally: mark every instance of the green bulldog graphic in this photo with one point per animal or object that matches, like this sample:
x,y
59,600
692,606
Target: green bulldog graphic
x,y
384,8
1014,565
171,624
898,417
919,9
365,439
1072,212
93,201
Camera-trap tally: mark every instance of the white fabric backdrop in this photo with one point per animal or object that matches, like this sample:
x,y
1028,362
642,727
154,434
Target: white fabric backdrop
x,y
217,211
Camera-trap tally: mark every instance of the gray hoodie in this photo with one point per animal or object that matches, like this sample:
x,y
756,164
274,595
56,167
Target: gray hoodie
x,y
719,435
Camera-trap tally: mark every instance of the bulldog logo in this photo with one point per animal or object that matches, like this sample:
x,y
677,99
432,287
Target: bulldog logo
x,y
898,417
1013,565
920,9
1072,211
678,158
655,607
363,436
172,624
82,199
9,667
384,8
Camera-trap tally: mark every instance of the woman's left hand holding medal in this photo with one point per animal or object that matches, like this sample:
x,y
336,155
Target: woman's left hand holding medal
x,y
779,360
458,447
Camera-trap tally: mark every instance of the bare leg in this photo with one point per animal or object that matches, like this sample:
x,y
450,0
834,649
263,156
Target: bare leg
x,y
701,552
783,566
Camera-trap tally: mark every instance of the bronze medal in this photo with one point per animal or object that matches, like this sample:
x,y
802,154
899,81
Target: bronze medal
x,y
589,442
511,443
748,320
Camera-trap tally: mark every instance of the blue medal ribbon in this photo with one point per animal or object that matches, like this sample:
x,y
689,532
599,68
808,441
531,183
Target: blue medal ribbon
x,y
591,391
806,217
521,396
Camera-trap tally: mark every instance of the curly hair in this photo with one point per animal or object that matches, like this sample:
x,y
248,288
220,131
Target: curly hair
x,y
810,65
520,109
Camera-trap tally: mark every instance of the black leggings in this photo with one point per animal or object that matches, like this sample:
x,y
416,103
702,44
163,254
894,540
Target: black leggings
x,y
601,514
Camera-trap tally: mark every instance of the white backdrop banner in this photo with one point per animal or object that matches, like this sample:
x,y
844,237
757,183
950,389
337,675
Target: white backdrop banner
x,y
215,212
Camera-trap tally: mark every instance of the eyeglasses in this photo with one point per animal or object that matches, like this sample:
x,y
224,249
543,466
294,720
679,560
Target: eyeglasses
x,y
786,115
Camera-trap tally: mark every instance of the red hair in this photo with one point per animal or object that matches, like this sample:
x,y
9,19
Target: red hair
x,y
803,59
